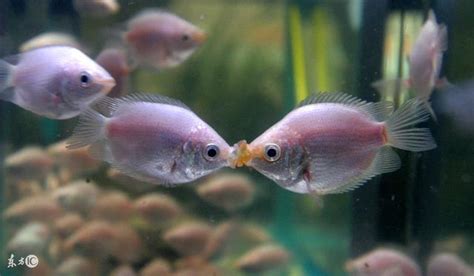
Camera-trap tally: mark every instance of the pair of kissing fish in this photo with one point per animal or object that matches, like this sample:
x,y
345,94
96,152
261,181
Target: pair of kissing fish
x,y
331,143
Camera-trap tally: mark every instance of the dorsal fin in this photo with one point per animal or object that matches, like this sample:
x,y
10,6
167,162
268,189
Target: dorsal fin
x,y
153,98
379,111
107,105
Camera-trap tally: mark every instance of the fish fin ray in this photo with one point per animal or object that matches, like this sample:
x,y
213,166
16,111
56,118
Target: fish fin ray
x,y
378,111
386,160
100,150
6,72
400,129
153,98
89,130
107,106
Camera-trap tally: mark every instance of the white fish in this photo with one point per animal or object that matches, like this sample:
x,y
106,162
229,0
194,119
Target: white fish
x,y
333,143
159,39
152,138
425,60
96,8
57,82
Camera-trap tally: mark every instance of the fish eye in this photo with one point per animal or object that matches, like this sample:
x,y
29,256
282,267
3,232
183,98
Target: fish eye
x,y
185,37
271,152
85,79
211,152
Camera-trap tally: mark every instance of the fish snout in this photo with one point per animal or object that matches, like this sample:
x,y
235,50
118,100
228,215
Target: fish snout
x,y
107,83
200,37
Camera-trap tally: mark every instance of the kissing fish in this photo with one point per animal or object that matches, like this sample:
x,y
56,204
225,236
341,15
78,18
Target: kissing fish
x,y
334,142
159,39
425,60
56,82
151,138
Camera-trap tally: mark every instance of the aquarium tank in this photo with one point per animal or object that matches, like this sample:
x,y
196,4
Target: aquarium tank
x,y
236,137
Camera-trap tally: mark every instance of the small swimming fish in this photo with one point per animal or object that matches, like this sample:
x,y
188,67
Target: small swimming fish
x,y
156,267
157,208
32,238
78,196
161,40
333,143
57,82
96,8
35,208
263,258
28,163
189,238
49,39
112,206
228,191
425,59
139,135
115,61
384,262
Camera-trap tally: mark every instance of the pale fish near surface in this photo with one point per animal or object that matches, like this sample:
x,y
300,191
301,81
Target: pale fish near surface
x,y
333,143
425,61
96,8
159,39
56,82
151,138
49,39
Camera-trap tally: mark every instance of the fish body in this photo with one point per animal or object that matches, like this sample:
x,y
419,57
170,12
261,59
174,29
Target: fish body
x,y
384,262
152,138
426,57
57,82
334,142
263,258
425,61
96,8
159,39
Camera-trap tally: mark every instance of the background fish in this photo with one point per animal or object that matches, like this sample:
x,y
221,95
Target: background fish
x,y
159,39
333,143
115,61
57,82
96,8
139,137
383,261
425,61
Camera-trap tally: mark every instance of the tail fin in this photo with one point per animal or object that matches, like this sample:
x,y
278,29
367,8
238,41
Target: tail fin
x,y
401,132
6,70
90,129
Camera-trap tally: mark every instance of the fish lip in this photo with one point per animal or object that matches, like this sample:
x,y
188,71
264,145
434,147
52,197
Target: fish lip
x,y
200,37
107,83
241,155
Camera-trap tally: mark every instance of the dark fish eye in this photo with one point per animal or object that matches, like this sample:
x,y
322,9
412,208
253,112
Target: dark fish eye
x,y
185,37
211,152
85,79
271,152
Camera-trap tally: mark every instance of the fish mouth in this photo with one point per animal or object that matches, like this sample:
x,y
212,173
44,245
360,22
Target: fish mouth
x,y
242,155
200,37
107,83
